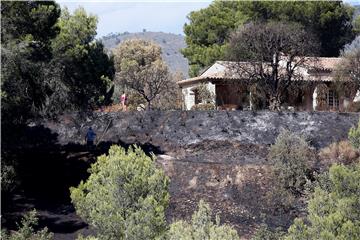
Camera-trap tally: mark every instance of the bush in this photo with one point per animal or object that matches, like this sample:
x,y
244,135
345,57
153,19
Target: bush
x,y
292,159
201,227
125,196
265,233
26,230
333,213
354,136
341,152
203,107
8,178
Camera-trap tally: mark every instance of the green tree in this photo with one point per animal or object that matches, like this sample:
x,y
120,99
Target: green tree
x,y
139,67
333,213
330,21
201,227
82,72
27,29
292,159
26,230
207,31
125,196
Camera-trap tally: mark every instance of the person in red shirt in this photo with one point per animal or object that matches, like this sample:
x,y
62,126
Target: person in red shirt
x,y
123,100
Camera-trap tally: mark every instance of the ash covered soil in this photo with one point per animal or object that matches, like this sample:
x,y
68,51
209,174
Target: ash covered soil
x,y
231,176
216,156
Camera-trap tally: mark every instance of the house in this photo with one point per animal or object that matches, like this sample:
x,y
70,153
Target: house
x,y
315,87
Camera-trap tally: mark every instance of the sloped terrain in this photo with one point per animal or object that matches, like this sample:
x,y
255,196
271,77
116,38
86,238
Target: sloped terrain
x,y
217,156
171,44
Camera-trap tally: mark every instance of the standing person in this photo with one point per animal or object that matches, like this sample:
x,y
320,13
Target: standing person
x,y
123,100
90,137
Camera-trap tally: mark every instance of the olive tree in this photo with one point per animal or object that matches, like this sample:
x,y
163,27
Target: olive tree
x,y
125,196
139,66
274,53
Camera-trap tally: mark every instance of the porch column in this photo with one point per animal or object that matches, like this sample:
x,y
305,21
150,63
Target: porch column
x,y
357,96
314,98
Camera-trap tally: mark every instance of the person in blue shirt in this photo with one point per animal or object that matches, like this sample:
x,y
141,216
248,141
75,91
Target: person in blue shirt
x,y
90,137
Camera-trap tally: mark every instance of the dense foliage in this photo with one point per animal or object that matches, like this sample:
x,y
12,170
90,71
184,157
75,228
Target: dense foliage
x,y
125,196
82,71
333,212
208,29
27,29
207,32
26,230
331,21
201,227
50,64
292,161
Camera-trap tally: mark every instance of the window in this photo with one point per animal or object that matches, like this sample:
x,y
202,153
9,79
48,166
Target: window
x,y
332,99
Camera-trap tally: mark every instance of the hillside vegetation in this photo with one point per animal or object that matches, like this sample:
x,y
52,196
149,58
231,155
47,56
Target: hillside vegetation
x,y
170,44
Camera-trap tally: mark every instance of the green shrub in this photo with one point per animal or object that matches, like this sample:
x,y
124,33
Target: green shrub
x,y
125,196
333,212
292,159
265,233
8,178
201,227
203,107
354,136
26,230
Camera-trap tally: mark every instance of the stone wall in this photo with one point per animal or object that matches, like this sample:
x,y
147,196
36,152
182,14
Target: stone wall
x,y
181,128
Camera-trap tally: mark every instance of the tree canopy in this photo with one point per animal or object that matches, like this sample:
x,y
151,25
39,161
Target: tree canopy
x,y
139,66
82,71
208,29
332,213
50,63
27,29
125,196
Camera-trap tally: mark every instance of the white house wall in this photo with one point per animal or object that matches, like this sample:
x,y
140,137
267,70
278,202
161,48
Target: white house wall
x,y
189,95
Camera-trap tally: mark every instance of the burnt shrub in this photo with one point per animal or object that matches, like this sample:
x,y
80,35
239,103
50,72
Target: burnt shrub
x,y
354,136
341,152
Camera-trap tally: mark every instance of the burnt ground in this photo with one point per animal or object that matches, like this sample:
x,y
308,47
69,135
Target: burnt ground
x,y
231,176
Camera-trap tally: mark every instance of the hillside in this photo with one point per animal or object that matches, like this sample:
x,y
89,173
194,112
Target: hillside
x,y
169,43
357,10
